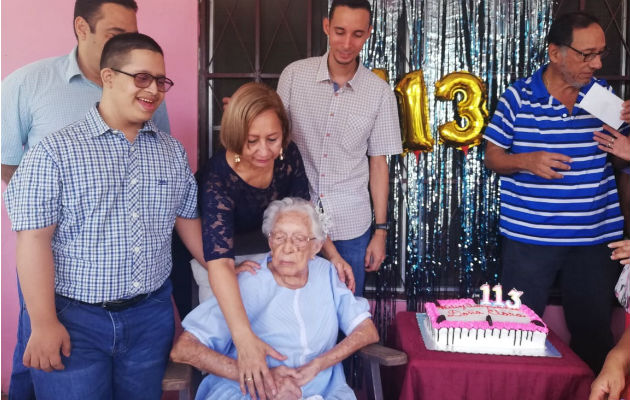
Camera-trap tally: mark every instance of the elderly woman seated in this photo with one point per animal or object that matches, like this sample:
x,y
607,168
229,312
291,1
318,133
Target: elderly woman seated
x,y
296,304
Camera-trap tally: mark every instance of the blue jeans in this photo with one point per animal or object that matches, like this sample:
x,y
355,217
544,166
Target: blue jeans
x,y
353,251
115,354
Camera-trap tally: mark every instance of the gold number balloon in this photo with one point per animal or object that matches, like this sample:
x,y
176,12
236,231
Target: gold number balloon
x,y
381,73
471,108
413,102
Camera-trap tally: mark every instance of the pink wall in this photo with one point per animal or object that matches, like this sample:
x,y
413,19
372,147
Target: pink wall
x,y
32,30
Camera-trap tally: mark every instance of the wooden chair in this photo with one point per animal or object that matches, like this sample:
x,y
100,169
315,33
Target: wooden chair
x,y
375,356
178,378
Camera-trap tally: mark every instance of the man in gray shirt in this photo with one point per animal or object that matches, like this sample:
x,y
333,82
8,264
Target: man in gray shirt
x,y
344,120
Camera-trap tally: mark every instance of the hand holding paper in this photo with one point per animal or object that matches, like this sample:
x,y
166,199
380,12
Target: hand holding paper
x,y
625,111
613,142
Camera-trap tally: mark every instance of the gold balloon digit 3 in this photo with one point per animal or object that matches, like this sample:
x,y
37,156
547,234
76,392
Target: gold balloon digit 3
x,y
471,108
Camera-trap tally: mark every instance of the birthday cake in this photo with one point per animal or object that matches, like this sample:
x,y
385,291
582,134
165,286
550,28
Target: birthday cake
x,y
462,325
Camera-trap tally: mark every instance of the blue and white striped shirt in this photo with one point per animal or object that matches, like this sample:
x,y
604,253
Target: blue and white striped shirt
x,y
580,209
114,204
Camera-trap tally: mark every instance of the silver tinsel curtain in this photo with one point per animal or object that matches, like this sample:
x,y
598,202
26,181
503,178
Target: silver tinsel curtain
x,y
444,204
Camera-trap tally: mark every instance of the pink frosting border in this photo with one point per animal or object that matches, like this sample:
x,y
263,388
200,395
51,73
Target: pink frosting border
x,y
432,313
456,302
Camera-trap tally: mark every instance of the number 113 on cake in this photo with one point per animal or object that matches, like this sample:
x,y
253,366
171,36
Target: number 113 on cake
x,y
514,294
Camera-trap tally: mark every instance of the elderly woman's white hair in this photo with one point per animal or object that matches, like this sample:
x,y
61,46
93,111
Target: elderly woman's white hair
x,y
319,225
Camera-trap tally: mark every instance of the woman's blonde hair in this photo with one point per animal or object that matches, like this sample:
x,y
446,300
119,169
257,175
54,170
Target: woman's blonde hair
x,y
247,103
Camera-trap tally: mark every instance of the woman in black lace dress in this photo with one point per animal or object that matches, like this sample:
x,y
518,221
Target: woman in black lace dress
x,y
259,164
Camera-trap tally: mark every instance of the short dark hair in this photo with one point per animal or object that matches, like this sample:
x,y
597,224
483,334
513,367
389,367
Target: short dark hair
x,y
561,31
364,4
89,10
118,48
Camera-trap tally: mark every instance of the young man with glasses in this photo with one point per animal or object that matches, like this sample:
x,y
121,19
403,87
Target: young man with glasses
x,y
559,204
94,205
43,97
47,95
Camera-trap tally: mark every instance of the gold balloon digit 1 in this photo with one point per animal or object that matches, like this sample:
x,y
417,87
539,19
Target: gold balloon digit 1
x,y
471,108
381,73
413,103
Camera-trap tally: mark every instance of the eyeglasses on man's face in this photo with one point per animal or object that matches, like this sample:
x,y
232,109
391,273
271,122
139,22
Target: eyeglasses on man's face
x,y
144,80
590,56
300,241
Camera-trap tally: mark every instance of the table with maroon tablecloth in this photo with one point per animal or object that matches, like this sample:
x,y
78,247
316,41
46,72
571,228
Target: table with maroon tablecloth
x,y
443,375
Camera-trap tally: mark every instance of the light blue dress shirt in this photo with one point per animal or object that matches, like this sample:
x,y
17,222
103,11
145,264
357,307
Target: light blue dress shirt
x,y
301,324
114,203
45,96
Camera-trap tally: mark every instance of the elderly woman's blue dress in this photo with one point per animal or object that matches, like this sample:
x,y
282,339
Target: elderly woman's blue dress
x,y
299,323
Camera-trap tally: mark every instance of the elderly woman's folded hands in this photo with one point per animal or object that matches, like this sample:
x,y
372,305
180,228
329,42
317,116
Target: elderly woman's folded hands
x,y
286,380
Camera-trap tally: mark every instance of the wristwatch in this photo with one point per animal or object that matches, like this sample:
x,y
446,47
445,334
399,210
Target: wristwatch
x,y
384,226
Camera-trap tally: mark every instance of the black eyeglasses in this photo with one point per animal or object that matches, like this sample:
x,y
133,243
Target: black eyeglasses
x,y
144,80
590,56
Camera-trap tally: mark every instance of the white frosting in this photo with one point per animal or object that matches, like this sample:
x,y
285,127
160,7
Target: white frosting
x,y
466,340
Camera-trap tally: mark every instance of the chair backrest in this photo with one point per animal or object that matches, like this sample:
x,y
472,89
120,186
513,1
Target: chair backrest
x,y
377,355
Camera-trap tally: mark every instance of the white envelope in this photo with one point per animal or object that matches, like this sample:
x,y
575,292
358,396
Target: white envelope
x,y
603,104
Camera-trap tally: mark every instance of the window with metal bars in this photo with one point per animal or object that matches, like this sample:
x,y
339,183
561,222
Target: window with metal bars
x,y
250,40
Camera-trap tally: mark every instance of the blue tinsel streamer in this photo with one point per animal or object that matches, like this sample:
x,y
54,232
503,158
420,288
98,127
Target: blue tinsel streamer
x,y
444,205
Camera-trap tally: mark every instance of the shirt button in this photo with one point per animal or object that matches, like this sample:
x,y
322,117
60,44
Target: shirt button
x,y
136,284
328,135
133,148
321,195
332,114
325,155
564,115
323,175
136,249
336,94
134,181
134,215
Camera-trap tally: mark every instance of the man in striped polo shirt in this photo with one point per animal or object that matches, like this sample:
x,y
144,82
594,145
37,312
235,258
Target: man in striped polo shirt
x,y
559,203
